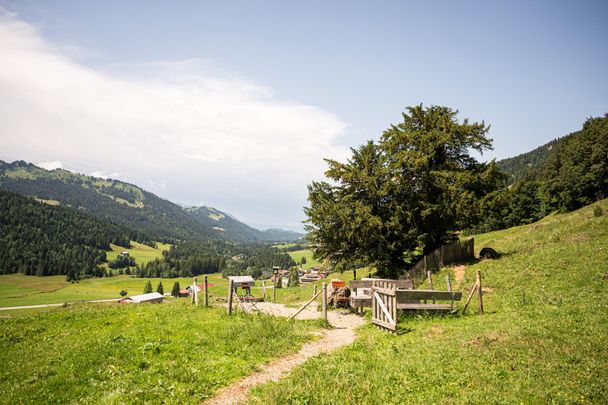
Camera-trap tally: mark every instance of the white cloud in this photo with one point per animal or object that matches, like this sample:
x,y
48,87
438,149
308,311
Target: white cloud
x,y
55,164
192,135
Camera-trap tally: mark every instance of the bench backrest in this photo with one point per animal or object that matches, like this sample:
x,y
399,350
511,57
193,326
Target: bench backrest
x,y
416,295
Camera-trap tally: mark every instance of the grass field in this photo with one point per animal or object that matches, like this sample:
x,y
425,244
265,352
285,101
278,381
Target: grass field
x,y
17,289
298,254
112,353
543,338
140,252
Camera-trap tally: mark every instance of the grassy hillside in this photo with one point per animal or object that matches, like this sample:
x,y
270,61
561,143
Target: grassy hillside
x,y
111,353
140,252
298,254
543,337
234,229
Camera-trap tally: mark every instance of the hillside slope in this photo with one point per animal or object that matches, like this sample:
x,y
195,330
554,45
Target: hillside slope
x,y
236,230
542,339
527,165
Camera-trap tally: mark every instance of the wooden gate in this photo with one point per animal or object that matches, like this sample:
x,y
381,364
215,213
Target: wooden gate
x,y
384,304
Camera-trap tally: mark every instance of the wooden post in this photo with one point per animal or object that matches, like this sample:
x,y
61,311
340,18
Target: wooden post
x,y
206,285
355,274
264,290
195,292
430,278
314,291
469,298
479,292
230,294
324,294
274,289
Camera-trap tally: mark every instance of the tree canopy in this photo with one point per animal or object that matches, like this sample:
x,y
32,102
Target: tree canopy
x,y
404,195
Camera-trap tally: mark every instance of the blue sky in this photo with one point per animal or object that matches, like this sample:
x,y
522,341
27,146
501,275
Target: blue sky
x,y
340,71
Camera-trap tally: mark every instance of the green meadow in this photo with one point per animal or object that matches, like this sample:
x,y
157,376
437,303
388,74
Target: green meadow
x,y
140,252
111,353
310,261
542,339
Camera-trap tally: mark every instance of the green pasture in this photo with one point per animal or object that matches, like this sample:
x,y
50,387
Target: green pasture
x,y
140,252
112,353
20,290
543,338
310,261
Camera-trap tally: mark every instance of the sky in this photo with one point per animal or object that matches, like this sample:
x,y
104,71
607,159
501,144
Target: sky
x,y
235,104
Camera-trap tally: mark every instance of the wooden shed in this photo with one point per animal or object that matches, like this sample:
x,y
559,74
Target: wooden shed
x,y
151,298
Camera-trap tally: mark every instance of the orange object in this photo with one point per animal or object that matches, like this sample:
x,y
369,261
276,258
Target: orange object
x,y
338,283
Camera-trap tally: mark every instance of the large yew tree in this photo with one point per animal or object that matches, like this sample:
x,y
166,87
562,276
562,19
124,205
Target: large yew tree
x,y
403,196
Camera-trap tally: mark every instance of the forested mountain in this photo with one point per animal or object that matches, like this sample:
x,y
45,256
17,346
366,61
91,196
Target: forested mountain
x,y
236,230
36,238
562,175
149,217
527,165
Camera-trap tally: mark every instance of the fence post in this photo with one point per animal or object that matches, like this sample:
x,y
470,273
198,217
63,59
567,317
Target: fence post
x,y
206,285
430,277
448,283
230,294
479,296
314,291
324,297
264,290
355,274
195,292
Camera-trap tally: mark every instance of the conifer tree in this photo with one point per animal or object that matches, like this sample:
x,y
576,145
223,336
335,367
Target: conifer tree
x,y
175,289
160,289
148,287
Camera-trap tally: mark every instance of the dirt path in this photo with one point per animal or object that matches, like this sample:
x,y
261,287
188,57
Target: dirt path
x,y
342,334
459,273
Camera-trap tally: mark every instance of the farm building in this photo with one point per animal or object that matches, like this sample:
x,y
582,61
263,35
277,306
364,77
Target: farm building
x,y
151,298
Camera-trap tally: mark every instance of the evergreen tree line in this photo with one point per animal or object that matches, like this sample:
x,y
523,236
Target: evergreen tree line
x,y
572,173
189,259
38,239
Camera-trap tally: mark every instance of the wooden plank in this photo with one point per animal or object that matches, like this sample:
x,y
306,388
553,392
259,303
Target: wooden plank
x,y
409,295
385,291
470,297
384,324
305,305
383,307
479,293
428,307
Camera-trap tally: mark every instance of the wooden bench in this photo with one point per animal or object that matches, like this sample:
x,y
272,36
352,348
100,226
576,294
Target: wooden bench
x,y
361,290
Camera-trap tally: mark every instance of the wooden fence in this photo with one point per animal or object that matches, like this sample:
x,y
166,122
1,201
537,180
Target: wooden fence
x,y
446,254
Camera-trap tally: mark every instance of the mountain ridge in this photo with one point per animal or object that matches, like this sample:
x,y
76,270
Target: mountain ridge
x,y
127,204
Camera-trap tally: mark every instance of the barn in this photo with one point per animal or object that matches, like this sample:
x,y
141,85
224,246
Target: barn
x,y
151,298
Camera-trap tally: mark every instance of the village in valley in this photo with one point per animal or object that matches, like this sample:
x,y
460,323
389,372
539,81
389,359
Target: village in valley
x,y
303,203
